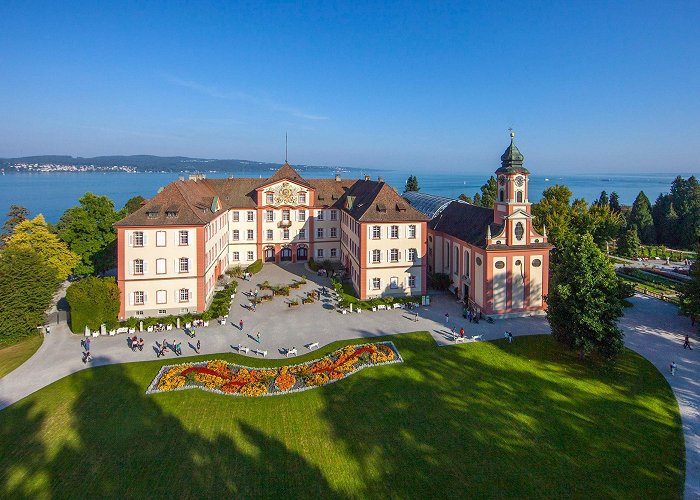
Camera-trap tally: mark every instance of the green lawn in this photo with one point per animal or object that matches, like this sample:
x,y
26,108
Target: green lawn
x,y
13,356
477,420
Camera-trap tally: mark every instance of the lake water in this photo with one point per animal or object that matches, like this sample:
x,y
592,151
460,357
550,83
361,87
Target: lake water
x,y
52,193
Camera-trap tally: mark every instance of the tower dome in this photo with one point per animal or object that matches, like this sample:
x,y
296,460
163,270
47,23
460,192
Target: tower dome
x,y
512,159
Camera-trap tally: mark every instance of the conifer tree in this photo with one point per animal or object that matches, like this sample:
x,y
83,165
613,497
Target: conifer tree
x,y
412,184
615,202
628,244
690,292
640,216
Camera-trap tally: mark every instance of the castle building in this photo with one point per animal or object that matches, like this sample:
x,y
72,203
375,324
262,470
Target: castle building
x,y
496,261
172,250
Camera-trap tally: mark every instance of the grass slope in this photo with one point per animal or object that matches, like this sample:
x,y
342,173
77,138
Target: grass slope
x,y
478,420
13,356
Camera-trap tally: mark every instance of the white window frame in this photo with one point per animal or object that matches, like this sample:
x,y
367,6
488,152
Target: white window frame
x,y
334,215
184,238
250,216
138,235
250,235
376,283
161,297
334,232
161,266
319,253
412,254
302,197
236,256
394,232
334,252
183,295
269,234
319,215
302,215
376,232
394,255
183,268
319,233
269,198
139,298
138,262
235,235
302,233
250,256
269,215
285,234
394,282
411,281
411,231
376,256
236,216
161,238
286,215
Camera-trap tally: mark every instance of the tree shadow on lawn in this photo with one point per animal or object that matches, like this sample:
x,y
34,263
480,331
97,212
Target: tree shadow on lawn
x,y
470,420
125,445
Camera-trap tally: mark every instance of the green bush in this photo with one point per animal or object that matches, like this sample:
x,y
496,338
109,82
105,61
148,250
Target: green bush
x,y
236,272
441,281
92,301
255,267
313,265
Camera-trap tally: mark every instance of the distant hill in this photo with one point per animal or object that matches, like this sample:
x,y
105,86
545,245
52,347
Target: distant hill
x,y
150,163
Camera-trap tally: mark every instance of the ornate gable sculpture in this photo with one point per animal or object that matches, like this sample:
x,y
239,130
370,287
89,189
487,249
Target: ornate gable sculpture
x,y
286,194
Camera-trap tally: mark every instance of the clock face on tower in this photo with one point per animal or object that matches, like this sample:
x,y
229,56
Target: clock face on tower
x,y
519,181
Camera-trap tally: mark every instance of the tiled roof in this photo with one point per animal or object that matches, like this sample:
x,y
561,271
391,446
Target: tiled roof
x,y
373,201
466,222
286,171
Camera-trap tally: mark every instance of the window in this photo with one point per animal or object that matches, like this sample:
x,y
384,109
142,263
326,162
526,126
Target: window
x,y
250,215
302,215
250,234
269,215
412,231
376,232
302,197
285,215
269,197
376,255
139,313
334,252
139,298
334,215
249,256
161,297
236,216
269,234
536,263
160,238
519,196
184,238
236,235
138,238
319,215
236,256
519,231
394,253
160,266
302,233
184,265
319,232
138,266
319,253
412,254
285,234
501,195
376,283
394,231
162,311
393,282
334,232
411,281
184,295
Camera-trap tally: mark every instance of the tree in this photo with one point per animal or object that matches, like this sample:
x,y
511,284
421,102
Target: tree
x,y
598,220
412,184
133,204
665,220
615,203
585,299
16,215
88,231
690,291
466,198
603,199
640,216
35,234
553,212
92,301
27,287
489,192
477,199
628,243
686,202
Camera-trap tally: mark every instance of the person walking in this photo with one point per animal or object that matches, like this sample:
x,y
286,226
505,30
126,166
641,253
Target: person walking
x,y
673,368
179,348
240,325
258,336
686,343
510,337
415,316
198,346
48,329
141,344
447,318
461,332
87,344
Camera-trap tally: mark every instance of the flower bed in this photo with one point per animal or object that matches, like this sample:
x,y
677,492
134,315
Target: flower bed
x,y
227,378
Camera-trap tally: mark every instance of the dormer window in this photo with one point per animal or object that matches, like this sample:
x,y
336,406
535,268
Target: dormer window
x,y
151,214
381,207
171,214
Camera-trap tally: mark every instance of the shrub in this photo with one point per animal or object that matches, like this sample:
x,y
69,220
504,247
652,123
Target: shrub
x,y
441,281
313,265
255,267
92,301
236,272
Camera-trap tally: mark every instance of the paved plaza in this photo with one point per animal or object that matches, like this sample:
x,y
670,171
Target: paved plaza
x,y
652,328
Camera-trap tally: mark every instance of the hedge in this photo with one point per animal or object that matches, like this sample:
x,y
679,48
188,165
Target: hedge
x,y
255,267
92,301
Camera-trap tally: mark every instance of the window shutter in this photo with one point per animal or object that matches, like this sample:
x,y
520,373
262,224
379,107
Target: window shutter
x,y
131,267
175,236
145,297
131,239
175,267
145,238
131,299
145,267
189,264
175,296
369,258
189,237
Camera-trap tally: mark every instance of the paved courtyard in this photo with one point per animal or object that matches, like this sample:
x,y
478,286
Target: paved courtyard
x,y
651,327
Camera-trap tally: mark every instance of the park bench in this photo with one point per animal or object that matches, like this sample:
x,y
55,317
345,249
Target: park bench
x,y
476,338
459,340
313,345
293,352
381,307
259,351
168,327
123,329
398,306
188,325
243,349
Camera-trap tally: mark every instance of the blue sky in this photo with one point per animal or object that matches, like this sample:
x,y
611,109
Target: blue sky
x,y
424,86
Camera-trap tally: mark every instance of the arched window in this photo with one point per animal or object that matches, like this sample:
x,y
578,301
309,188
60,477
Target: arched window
x,y
519,196
501,195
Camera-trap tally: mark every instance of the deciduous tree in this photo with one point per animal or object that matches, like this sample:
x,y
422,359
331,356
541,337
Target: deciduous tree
x,y
92,301
132,205
690,292
585,300
554,212
628,243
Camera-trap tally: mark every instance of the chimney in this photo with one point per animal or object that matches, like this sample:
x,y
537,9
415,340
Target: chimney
x,y
182,178
366,177
337,177
381,179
